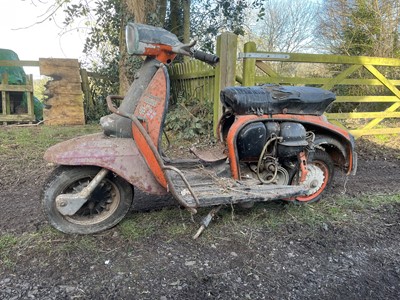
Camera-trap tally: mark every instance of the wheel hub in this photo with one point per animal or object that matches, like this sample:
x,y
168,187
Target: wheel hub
x,y
314,180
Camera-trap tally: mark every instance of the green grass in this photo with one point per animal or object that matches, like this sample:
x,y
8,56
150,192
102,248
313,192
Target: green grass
x,y
8,243
39,137
169,223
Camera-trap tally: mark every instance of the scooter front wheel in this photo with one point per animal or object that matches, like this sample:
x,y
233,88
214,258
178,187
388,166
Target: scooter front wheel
x,y
106,206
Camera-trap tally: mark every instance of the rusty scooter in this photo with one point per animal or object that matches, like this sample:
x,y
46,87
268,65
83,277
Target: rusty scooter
x,y
274,143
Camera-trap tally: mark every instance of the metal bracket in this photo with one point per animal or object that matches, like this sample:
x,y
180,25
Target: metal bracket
x,y
69,204
265,56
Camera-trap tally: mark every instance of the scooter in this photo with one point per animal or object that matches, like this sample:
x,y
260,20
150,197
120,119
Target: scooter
x,y
274,143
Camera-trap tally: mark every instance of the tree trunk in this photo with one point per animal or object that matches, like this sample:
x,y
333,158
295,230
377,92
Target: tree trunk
x,y
174,16
151,12
186,21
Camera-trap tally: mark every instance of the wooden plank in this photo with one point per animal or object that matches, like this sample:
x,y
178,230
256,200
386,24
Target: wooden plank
x,y
64,115
19,63
363,115
4,81
361,132
330,59
339,78
16,118
69,74
366,99
3,103
86,88
60,100
51,63
266,69
63,87
16,88
319,81
249,70
29,98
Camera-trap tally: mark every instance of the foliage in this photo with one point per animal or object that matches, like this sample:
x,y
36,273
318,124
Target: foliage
x,y
210,17
190,118
39,87
361,27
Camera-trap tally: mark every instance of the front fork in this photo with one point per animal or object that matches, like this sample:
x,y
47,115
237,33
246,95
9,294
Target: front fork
x,y
69,204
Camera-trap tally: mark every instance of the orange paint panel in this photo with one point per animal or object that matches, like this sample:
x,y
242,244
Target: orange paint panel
x,y
163,53
149,156
150,111
151,106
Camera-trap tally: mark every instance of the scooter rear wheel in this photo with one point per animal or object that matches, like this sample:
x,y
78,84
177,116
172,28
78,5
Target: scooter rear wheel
x,y
106,206
323,162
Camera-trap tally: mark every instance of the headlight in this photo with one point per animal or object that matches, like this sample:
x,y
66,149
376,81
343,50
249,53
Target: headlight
x,y
132,39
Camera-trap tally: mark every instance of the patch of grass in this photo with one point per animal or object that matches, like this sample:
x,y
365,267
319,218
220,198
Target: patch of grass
x,y
7,245
272,216
29,143
169,223
383,138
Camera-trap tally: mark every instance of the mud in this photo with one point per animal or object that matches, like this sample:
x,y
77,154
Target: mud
x,y
353,260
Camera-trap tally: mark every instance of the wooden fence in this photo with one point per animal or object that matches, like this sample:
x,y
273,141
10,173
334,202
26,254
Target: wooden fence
x,y
16,101
13,95
260,67
193,79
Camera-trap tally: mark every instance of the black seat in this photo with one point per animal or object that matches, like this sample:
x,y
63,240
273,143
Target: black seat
x,y
276,99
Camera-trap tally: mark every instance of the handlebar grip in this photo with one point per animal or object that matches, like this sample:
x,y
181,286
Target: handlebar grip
x,y
206,57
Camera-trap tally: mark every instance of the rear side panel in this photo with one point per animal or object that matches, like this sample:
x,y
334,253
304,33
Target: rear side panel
x,y
317,122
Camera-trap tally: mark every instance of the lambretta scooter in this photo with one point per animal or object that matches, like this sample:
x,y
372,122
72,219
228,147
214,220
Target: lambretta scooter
x,y
274,143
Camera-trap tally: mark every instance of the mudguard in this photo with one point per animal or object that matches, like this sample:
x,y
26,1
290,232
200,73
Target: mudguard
x,y
120,155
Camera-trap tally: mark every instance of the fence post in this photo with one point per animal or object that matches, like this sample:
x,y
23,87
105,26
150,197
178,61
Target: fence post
x,y
225,71
4,81
29,98
249,65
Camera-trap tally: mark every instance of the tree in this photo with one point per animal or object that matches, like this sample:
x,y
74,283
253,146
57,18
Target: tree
x,y
286,25
361,27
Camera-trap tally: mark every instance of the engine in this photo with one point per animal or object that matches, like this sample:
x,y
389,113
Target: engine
x,y
270,149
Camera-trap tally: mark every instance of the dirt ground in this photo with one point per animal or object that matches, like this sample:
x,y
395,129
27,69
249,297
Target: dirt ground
x,y
349,260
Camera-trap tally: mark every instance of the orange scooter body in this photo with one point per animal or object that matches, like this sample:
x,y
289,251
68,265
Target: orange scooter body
x,y
340,137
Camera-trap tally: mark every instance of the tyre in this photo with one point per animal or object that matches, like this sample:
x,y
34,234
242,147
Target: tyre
x,y
106,206
321,170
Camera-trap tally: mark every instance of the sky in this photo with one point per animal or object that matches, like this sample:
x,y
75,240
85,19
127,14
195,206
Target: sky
x,y
40,40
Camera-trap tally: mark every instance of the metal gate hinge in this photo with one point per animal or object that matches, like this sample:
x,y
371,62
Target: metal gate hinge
x,y
256,55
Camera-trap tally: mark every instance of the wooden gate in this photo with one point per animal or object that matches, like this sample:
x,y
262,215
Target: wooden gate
x,y
345,72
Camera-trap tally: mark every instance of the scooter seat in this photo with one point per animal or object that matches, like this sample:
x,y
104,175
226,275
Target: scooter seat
x,y
276,99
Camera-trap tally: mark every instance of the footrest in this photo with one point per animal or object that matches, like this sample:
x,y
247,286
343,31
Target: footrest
x,y
202,187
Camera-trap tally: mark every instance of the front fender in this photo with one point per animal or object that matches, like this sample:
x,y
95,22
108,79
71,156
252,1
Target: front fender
x,y
120,155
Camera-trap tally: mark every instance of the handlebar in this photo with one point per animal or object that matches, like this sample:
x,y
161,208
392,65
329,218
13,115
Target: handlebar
x,y
206,57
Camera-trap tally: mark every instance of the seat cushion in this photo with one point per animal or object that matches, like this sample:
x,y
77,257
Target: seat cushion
x,y
276,99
